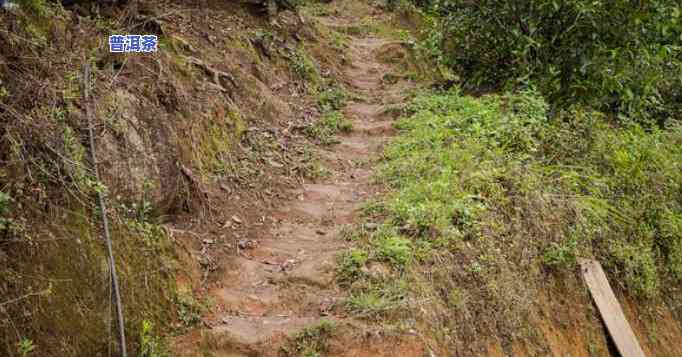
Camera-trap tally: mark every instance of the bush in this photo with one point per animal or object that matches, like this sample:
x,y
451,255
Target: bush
x,y
615,56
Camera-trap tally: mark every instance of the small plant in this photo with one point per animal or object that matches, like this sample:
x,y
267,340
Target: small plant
x,y
367,302
562,254
397,250
3,91
5,202
25,347
312,341
303,66
457,298
351,263
311,167
331,99
151,345
37,7
328,126
189,309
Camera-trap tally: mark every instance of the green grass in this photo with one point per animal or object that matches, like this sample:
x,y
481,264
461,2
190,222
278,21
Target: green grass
x,y
332,99
488,194
311,166
330,124
151,345
498,166
312,341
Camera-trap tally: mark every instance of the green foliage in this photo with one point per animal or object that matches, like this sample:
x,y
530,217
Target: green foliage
x,y
312,341
671,231
350,265
368,302
311,167
615,55
497,172
189,309
151,345
303,66
397,250
5,201
561,254
332,99
328,126
37,7
379,298
25,347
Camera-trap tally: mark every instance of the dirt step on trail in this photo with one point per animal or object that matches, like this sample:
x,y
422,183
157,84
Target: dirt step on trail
x,y
286,282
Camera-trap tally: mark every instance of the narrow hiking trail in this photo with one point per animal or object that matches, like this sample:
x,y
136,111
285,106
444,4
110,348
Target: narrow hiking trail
x,y
286,282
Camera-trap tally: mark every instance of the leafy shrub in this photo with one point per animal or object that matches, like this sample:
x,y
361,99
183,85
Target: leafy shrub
x,y
303,66
150,344
332,99
397,250
615,55
351,263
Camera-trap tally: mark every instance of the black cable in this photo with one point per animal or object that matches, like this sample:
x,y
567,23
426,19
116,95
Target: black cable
x,y
105,221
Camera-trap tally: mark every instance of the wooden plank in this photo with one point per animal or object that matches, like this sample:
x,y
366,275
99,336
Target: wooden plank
x,y
611,312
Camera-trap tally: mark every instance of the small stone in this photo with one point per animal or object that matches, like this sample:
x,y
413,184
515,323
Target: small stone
x,y
209,241
320,232
247,244
237,219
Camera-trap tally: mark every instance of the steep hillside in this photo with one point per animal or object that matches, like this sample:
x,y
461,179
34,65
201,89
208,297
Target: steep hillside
x,y
206,132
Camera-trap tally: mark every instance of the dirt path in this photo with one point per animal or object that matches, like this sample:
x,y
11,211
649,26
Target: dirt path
x,y
286,282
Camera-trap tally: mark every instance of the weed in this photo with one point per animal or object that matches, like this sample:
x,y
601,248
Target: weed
x,y
5,202
457,298
151,345
311,167
562,254
368,302
350,265
325,129
312,341
671,231
397,250
303,66
3,91
378,299
25,347
339,41
37,7
189,309
332,99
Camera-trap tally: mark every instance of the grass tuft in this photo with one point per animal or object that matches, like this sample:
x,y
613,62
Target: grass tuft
x,y
330,124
